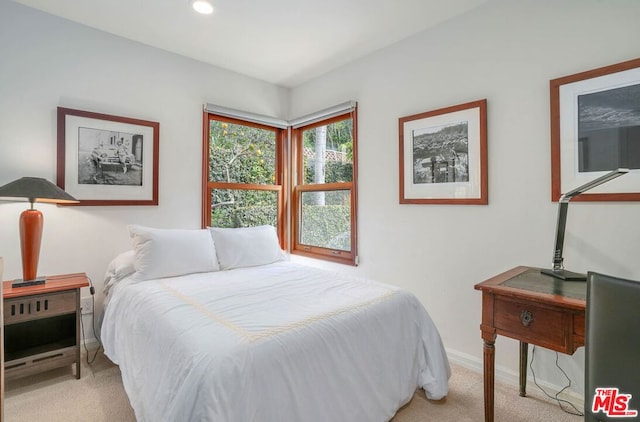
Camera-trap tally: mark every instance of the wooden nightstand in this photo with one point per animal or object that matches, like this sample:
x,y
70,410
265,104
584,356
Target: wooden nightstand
x,y
42,325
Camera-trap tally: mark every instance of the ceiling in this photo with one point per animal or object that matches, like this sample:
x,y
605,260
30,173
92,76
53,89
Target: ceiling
x,y
284,42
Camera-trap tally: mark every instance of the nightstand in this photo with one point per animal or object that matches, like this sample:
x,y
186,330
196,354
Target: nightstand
x,y
42,325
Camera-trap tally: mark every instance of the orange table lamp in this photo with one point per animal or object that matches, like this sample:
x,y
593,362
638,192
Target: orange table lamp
x,y
34,189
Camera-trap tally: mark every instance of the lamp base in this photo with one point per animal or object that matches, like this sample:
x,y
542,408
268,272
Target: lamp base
x,y
25,283
564,275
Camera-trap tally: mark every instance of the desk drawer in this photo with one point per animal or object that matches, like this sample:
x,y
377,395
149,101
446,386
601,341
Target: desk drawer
x,y
530,323
579,328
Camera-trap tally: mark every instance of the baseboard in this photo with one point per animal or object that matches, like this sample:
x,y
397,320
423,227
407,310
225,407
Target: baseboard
x,y
89,331
90,344
510,377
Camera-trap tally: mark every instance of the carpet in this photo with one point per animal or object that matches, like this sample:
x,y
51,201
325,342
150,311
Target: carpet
x,y
56,396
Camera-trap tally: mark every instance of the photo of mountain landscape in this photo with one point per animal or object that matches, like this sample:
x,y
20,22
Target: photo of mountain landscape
x,y
609,129
441,154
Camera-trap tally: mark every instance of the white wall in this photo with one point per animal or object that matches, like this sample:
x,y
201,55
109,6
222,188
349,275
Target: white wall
x,y
46,62
506,51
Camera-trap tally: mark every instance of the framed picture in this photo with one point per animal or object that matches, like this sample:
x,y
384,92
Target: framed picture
x,y
443,156
595,128
107,160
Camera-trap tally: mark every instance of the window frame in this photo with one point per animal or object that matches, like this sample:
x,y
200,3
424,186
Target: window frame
x,y
289,174
281,172
298,188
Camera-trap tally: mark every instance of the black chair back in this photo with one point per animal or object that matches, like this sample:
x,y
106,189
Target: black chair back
x,y
612,349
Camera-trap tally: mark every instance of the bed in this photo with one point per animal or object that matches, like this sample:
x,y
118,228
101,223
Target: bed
x,y
278,341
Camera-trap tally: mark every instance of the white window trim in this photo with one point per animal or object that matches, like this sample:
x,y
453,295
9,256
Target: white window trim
x,y
305,120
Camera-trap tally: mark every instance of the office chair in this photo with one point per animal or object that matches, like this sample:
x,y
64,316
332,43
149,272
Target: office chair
x,y
612,349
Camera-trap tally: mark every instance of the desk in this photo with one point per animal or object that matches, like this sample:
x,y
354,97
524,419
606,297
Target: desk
x,y
533,308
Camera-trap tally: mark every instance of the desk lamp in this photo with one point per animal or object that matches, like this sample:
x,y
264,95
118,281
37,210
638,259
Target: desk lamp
x,y
558,271
34,189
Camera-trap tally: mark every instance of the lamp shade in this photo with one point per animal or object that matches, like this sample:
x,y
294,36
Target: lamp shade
x,y
35,189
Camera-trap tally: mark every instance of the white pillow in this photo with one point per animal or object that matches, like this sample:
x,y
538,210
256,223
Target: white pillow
x,y
171,252
123,265
119,267
246,246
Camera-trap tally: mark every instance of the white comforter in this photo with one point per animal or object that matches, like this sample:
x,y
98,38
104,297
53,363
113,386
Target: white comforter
x,y
281,342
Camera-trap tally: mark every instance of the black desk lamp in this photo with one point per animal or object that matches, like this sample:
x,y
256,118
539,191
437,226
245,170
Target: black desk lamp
x,y
558,271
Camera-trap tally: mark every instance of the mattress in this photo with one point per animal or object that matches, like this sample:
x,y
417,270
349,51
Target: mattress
x,y
279,342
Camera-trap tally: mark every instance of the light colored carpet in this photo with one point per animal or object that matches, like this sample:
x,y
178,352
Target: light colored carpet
x,y
56,396
465,403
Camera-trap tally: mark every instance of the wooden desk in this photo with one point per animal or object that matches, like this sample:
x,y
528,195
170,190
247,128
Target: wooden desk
x,y
533,308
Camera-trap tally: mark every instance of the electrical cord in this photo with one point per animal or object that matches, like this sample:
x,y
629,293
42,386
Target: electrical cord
x,y
92,290
560,401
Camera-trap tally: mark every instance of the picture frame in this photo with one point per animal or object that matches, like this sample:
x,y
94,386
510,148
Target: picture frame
x,y
443,156
107,160
595,128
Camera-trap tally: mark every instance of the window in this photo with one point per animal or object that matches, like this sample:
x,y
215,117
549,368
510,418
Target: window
x,y
247,160
324,198
243,174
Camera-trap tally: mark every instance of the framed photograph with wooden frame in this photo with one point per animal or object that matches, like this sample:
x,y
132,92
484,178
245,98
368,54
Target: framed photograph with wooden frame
x,y
107,160
595,128
443,156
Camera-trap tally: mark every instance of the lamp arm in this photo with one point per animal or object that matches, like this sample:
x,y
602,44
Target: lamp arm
x,y
560,229
595,182
564,207
558,271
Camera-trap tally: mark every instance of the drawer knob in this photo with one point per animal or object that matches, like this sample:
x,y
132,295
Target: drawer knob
x,y
526,317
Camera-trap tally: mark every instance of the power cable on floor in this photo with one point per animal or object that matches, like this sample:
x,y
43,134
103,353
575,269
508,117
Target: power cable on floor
x,y
560,401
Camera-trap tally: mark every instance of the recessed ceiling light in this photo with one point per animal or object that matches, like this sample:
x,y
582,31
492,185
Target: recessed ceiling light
x,y
202,6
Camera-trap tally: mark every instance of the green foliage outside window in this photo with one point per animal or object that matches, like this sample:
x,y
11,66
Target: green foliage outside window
x,y
335,172
251,208
327,226
326,215
242,154
339,137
